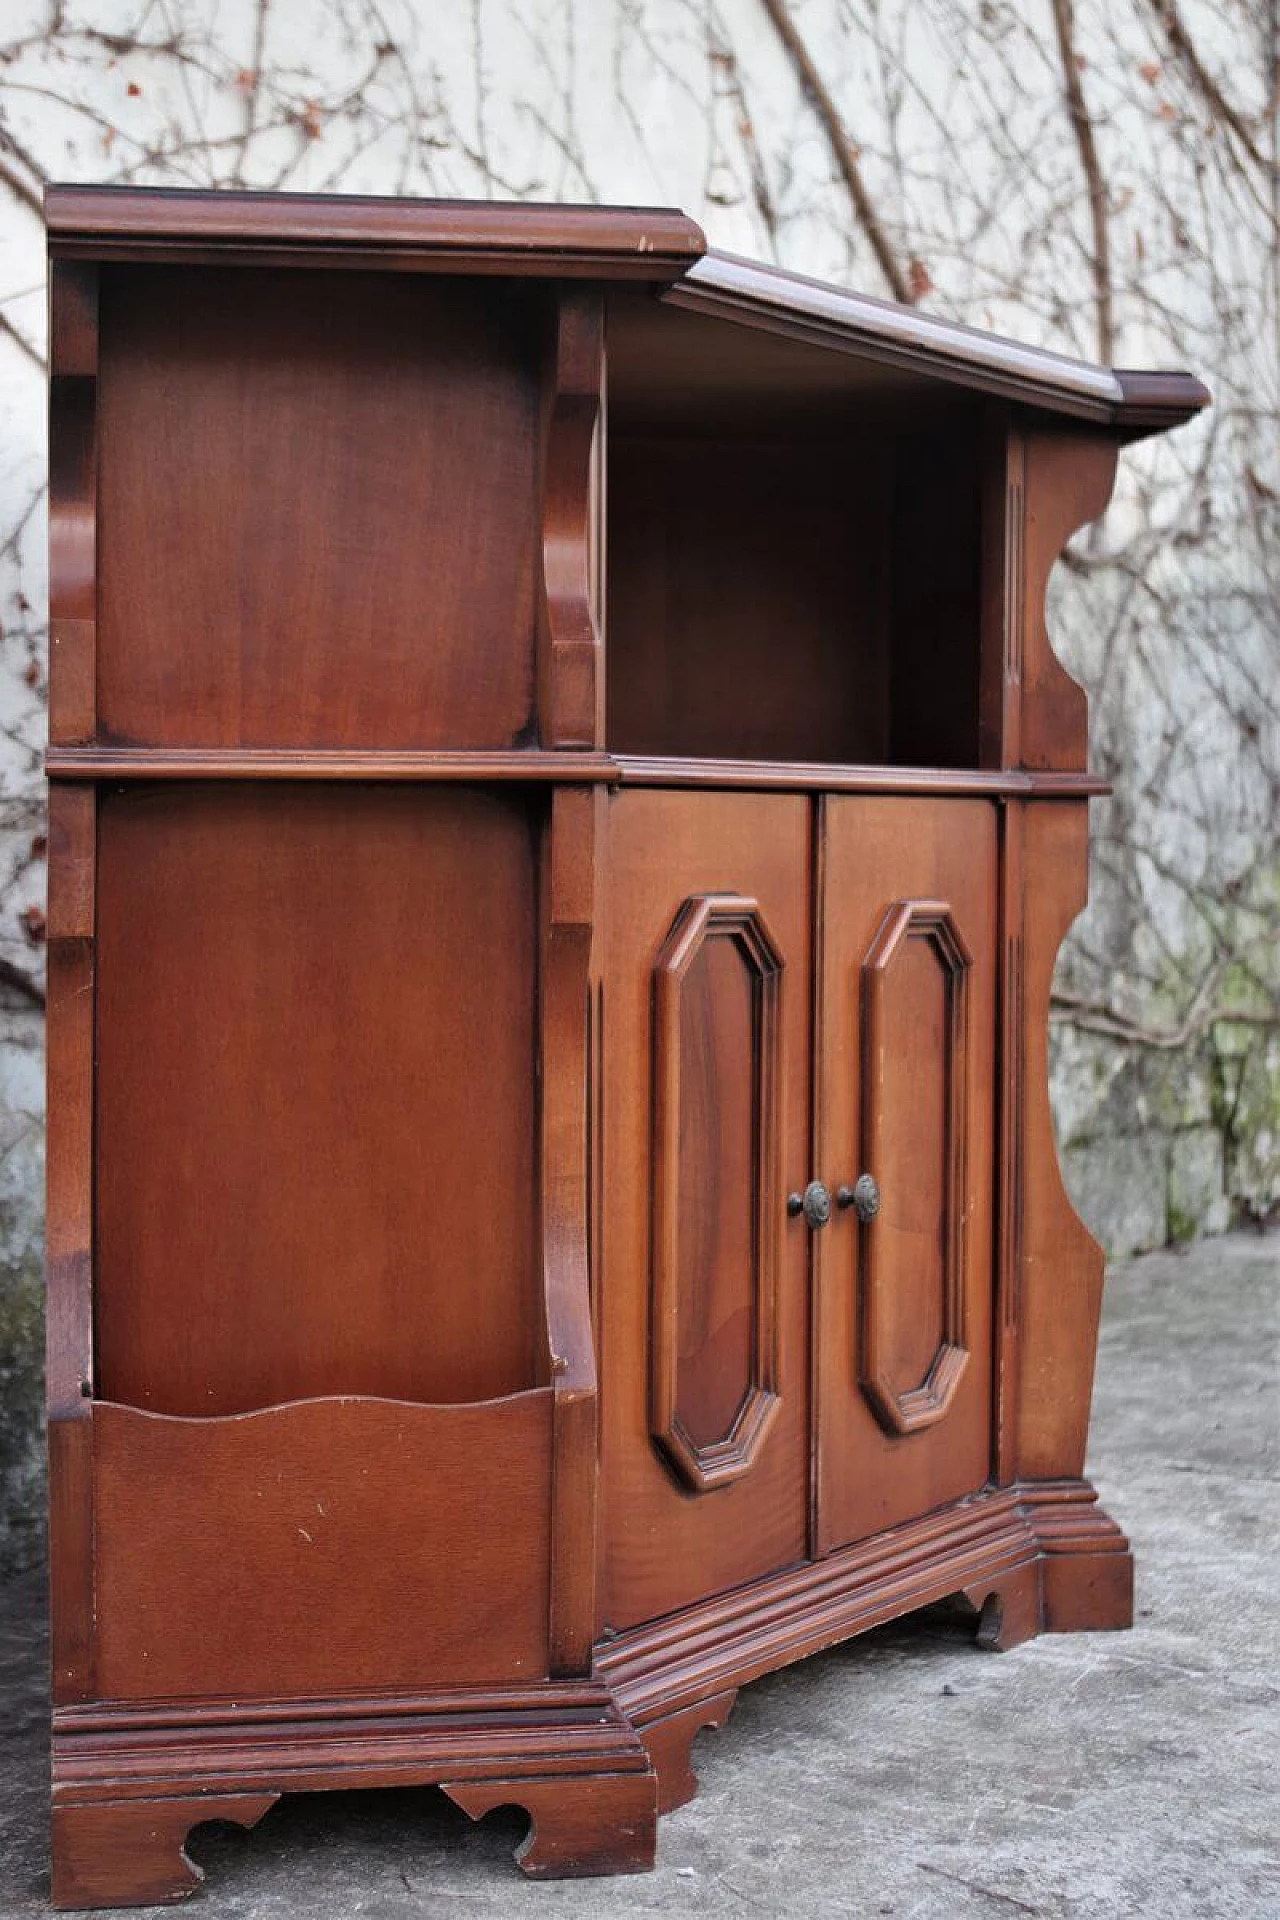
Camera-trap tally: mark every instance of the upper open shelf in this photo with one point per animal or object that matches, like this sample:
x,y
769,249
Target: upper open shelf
x,y
515,481
793,549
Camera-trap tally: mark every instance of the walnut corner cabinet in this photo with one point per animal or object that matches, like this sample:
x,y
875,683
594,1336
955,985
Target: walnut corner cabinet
x,y
562,815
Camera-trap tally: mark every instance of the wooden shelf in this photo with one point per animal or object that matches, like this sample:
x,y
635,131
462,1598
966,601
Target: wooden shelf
x,y
270,763
574,769
808,776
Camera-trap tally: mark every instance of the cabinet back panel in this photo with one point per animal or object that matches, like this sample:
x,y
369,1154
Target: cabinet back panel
x,y
746,612
934,644
317,509
315,1105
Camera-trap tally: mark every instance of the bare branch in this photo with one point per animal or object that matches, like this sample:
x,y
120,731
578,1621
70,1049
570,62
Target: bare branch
x,y
21,982
11,332
846,154
1082,127
1184,49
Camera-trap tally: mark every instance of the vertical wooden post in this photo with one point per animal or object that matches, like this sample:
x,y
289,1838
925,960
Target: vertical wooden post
x,y
73,359
69,1235
569,1060
73,501
1001,564
570,669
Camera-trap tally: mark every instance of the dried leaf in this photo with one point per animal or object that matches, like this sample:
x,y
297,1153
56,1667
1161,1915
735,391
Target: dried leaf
x,y
33,924
919,279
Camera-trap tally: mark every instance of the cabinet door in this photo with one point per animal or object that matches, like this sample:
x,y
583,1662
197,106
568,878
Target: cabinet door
x,y
706,1105
905,1094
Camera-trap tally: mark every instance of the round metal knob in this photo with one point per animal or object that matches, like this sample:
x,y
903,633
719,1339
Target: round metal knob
x,y
863,1196
814,1203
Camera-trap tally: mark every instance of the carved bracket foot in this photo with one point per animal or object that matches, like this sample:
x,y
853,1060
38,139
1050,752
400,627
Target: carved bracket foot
x,y
669,1744
582,1824
1088,1592
1087,1568
132,1853
1009,1608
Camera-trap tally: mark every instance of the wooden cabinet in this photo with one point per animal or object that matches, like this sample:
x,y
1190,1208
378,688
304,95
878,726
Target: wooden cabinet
x,y
563,812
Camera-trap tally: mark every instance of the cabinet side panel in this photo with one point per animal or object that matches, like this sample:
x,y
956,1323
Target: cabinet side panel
x,y
318,505
706,1130
315,1104
69,1236
1068,477
1060,1289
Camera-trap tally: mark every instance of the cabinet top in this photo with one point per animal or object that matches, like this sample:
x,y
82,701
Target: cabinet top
x,y
658,245
305,229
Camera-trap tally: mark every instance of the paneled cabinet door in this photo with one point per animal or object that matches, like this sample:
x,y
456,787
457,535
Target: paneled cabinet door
x,y
905,1098
707,1105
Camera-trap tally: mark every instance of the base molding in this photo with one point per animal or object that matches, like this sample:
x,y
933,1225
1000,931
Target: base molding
x,y
593,1760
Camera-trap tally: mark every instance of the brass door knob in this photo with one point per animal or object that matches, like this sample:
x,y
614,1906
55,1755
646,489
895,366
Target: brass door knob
x,y
814,1203
863,1196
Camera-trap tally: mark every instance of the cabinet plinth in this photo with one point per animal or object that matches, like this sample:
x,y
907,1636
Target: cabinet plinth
x,y
555,750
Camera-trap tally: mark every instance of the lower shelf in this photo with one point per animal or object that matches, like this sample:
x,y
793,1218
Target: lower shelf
x,y
594,1760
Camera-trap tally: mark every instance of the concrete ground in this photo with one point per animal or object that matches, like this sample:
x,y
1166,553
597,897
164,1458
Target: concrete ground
x,y
1100,1777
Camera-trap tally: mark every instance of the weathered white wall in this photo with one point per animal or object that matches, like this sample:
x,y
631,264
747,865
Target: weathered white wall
x,y
934,147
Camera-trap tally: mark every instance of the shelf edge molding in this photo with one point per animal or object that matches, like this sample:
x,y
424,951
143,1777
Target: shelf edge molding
x,y
1138,403
568,766
652,244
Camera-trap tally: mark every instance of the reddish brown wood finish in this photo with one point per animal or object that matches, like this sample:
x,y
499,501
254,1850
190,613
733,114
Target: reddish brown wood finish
x,y
669,1744
330,416
73,500
431,236
782,660
1059,1291
379,1543
666,1545
132,1852
906,1049
713,1350
602,1823
1068,480
569,1071
473,914
339,1219
571,697
69,1237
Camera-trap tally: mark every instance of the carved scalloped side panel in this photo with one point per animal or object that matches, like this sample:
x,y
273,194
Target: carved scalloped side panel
x,y
712,1357
1066,481
915,1061
1060,1263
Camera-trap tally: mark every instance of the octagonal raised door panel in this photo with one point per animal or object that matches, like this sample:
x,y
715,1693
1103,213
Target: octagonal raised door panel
x,y
912,1348
713,1352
